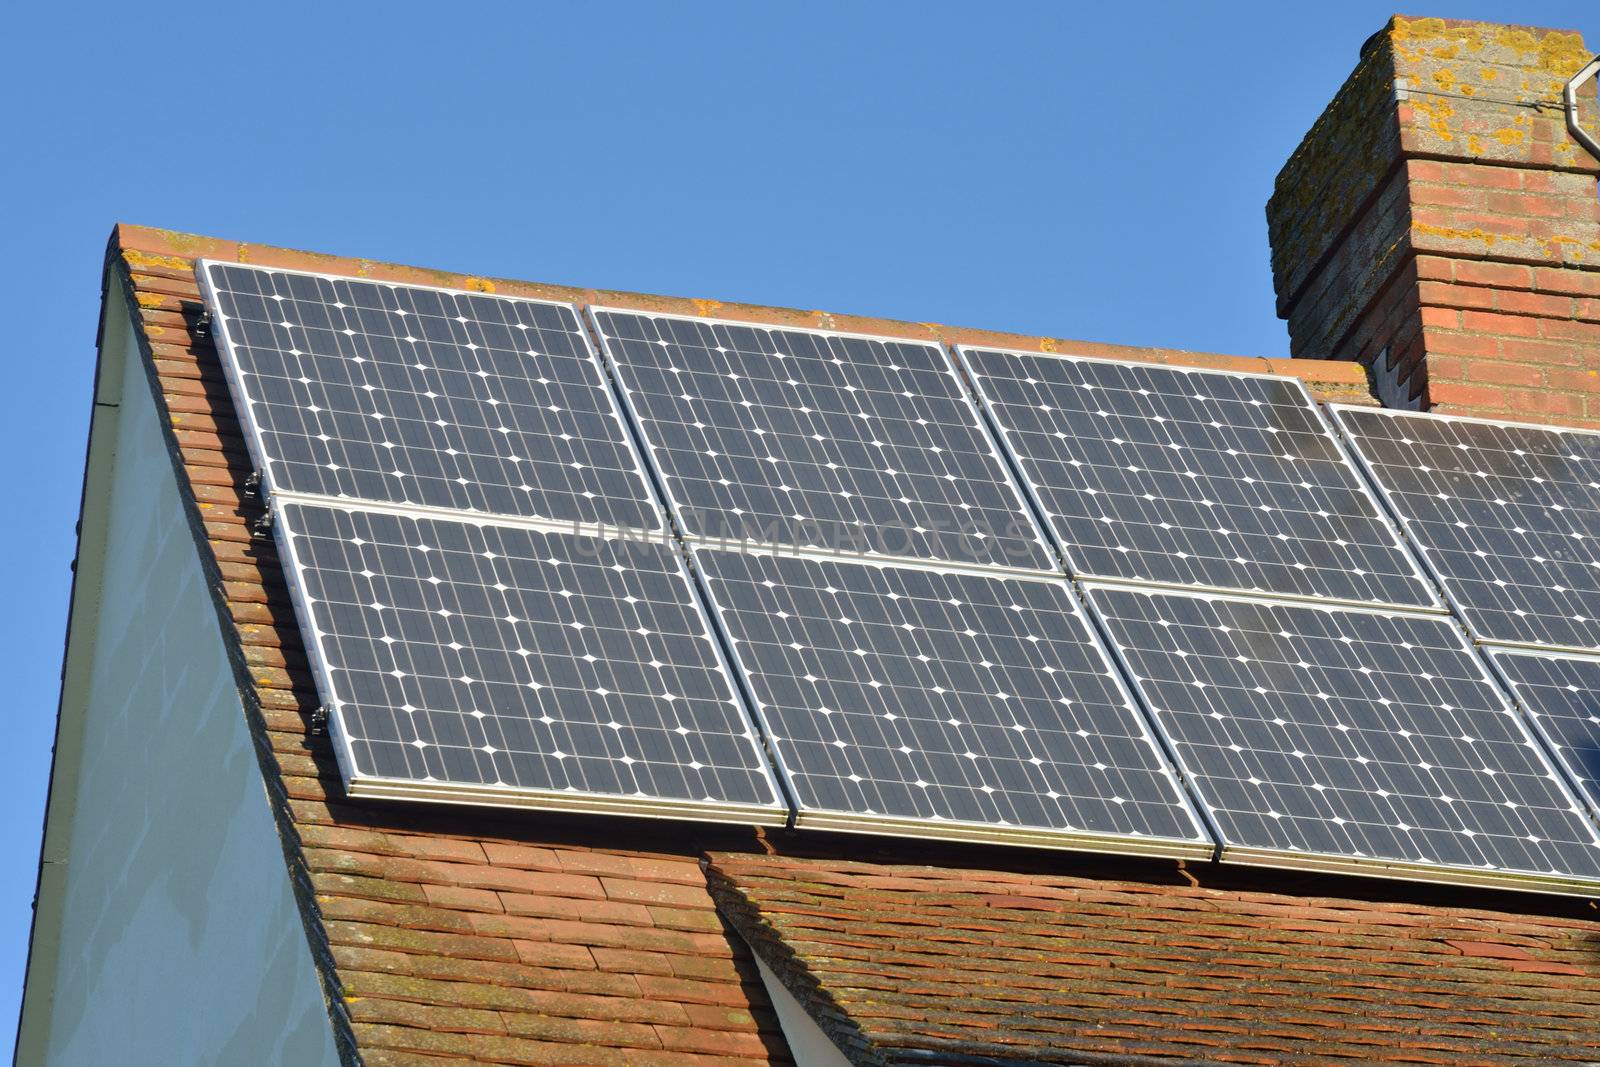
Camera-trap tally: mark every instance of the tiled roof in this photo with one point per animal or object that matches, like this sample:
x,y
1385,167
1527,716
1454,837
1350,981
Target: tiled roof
x,y
1074,969
523,938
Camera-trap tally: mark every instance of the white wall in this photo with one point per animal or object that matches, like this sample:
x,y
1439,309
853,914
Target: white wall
x,y
177,940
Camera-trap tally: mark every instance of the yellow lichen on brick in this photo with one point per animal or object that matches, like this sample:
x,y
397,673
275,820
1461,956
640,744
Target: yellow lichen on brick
x,y
706,308
1047,344
1411,29
149,300
1439,113
478,285
1562,53
1488,74
1510,135
1445,78
135,258
1453,233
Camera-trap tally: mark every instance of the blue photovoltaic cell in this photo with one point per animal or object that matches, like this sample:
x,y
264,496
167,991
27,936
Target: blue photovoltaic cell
x,y
505,661
1360,736
1197,478
416,396
799,437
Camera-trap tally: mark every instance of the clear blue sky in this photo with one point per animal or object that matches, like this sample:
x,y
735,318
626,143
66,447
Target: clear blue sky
x,y
1095,172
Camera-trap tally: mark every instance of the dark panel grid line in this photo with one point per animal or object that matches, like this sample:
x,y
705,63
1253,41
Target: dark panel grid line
x,y
410,395
1329,736
1186,477
1506,515
944,704
1560,694
790,437
462,659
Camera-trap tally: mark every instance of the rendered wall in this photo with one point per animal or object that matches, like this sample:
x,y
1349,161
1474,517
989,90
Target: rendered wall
x,y
178,940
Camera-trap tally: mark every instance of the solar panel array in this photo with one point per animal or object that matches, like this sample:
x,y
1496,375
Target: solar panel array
x,y
1508,517
858,619
784,437
894,693
1194,478
1373,736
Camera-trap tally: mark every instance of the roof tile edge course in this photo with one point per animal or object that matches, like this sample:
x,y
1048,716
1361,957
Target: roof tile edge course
x,y
173,250
509,941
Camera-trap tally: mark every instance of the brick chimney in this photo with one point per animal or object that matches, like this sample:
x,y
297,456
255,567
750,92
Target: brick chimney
x,y
1439,224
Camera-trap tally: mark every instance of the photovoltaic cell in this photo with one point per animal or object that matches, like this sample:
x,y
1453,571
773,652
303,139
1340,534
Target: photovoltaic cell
x,y
800,437
1335,736
411,395
945,704
1508,516
1561,695
1194,478
519,666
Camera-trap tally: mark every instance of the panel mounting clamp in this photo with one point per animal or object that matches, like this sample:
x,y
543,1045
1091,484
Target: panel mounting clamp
x,y
1569,96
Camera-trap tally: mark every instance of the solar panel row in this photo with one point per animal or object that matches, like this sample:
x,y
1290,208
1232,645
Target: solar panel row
x,y
463,503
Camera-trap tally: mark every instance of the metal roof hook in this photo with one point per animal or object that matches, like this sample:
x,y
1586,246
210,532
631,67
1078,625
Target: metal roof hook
x,y
1569,96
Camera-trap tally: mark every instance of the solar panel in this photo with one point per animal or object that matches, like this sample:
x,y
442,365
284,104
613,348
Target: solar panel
x,y
1561,694
909,700
509,665
1207,479
786,437
1508,517
419,396
1346,738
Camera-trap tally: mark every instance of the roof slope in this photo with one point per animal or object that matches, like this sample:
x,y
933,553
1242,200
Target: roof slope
x,y
452,933
1057,968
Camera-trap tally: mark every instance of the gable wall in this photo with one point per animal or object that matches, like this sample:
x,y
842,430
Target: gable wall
x,y
168,931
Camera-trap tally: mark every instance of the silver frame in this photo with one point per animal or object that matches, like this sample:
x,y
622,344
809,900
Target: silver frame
x,y
1419,549
1437,605
1203,846
244,402
368,785
676,507
1531,881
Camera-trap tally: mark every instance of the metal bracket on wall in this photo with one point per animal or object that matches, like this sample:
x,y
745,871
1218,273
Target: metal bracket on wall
x,y
1569,96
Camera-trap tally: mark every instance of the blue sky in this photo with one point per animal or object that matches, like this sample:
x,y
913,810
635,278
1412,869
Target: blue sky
x,y
1047,168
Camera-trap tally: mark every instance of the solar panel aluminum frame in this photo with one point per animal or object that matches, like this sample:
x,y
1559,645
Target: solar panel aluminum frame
x,y
1025,506
242,401
1536,722
984,833
1425,578
377,787
1285,859
1457,608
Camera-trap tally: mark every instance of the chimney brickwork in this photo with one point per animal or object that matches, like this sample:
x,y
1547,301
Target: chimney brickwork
x,y
1439,224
